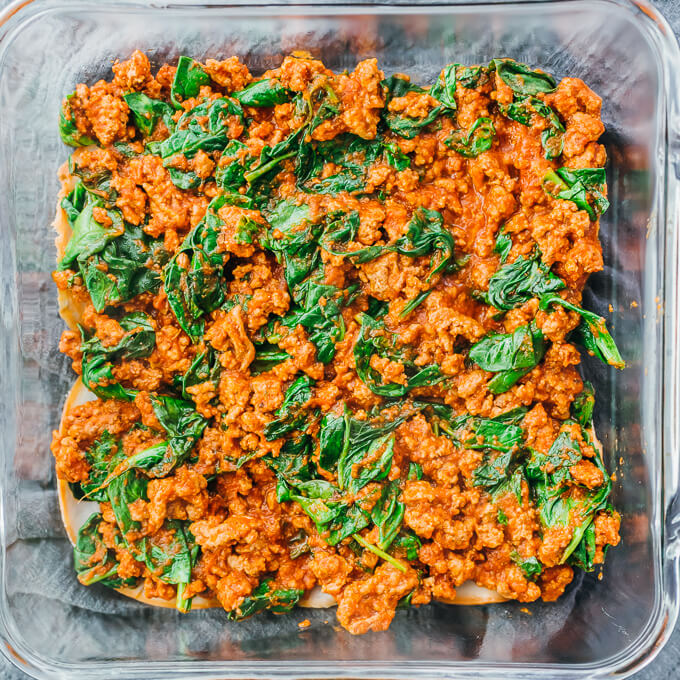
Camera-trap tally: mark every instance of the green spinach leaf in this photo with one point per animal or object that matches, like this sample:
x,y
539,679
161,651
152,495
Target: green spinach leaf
x,y
509,355
375,338
266,92
278,600
146,112
403,125
592,331
194,278
521,79
478,139
514,284
172,559
94,562
68,129
189,77
583,186
97,361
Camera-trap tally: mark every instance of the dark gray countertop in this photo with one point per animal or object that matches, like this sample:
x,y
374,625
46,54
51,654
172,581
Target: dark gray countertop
x,y
667,664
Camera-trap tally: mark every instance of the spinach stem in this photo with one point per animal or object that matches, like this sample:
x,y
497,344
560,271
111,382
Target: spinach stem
x,y
380,553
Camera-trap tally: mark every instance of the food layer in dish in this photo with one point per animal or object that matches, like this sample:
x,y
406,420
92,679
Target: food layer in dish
x,y
331,324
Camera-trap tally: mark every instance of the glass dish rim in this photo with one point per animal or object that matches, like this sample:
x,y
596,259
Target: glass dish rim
x,y
658,628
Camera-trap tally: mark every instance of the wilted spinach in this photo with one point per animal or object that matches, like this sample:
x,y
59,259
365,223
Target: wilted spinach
x,y
521,79
521,110
291,415
592,332
292,238
97,361
267,356
194,278
583,405
530,566
68,129
562,503
205,367
94,562
146,112
279,600
478,138
401,124
189,77
426,234
318,309
104,453
117,262
514,284
265,92
509,355
191,134
375,338
582,186
172,560
88,236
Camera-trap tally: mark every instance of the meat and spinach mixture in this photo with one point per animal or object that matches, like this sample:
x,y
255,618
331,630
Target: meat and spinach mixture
x,y
333,323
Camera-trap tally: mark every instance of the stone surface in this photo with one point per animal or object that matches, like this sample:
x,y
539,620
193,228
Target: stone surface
x,y
666,666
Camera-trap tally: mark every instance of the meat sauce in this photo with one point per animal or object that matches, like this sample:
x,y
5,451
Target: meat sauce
x,y
333,324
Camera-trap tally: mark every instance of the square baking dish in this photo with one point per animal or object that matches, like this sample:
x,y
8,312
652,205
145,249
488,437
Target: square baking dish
x,y
52,627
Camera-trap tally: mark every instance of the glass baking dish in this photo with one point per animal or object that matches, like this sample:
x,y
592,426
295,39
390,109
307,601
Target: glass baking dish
x,y
52,627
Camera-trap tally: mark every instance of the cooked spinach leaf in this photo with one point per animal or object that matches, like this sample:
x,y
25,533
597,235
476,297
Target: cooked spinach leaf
x,y
342,228
444,89
478,138
269,162
230,175
267,356
104,453
126,267
521,79
413,303
292,238
350,154
172,558
146,112
97,361
592,331
503,245
189,77
509,355
88,235
183,426
318,310
291,415
279,600
388,514
123,491
191,133
194,278
94,562
401,124
375,339
116,262
427,234
583,405
530,566
516,283
68,130
521,110
266,92
563,503
582,186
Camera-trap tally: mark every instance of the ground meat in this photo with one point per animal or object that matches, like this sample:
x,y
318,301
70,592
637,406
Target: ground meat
x,y
369,603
